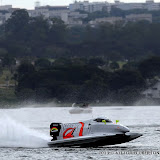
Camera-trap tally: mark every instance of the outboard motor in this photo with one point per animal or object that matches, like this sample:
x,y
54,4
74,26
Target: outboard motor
x,y
54,130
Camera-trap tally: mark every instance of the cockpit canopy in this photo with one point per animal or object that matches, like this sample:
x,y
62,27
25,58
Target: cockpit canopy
x,y
102,120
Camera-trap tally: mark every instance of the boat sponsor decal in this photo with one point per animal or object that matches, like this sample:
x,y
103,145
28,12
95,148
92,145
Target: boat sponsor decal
x,y
69,134
54,129
81,130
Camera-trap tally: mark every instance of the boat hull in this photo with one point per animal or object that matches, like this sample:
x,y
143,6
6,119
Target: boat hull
x,y
80,110
95,141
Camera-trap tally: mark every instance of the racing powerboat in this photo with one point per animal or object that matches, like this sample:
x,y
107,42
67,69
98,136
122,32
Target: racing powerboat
x,y
91,133
78,108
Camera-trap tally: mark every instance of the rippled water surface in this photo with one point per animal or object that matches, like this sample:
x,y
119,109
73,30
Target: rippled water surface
x,y
24,133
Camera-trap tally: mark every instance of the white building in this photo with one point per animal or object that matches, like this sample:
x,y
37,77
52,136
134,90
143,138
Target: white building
x,y
99,6
77,15
128,6
149,5
89,7
62,12
5,7
78,6
75,18
152,6
40,12
50,12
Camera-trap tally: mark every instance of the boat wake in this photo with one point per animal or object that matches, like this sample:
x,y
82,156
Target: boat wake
x,y
14,134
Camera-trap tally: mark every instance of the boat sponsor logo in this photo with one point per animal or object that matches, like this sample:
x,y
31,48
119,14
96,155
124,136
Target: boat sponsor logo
x,y
71,125
54,129
55,124
68,133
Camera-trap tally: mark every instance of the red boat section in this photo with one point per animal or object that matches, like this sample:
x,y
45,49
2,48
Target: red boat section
x,y
70,134
81,130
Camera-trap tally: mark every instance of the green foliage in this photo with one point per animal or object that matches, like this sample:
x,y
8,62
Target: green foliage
x,y
7,60
18,21
96,61
70,80
62,62
125,78
38,30
26,94
42,63
24,69
150,67
130,66
57,31
114,56
81,56
114,65
3,52
7,96
75,35
51,38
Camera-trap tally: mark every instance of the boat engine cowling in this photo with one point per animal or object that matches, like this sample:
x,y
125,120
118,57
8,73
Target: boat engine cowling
x,y
55,130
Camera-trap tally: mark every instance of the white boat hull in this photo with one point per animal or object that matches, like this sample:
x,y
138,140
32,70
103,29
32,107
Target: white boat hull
x,y
79,110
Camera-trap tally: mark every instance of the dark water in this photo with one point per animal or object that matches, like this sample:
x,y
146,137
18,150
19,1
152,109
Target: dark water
x,y
24,133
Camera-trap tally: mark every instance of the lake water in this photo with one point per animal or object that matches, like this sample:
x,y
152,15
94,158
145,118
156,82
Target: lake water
x,y
24,133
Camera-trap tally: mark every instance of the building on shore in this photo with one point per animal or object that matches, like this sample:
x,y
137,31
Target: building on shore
x,y
89,7
99,6
50,12
149,5
5,7
128,18
139,17
74,14
111,20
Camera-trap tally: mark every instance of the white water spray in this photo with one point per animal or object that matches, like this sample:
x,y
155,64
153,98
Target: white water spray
x,y
13,134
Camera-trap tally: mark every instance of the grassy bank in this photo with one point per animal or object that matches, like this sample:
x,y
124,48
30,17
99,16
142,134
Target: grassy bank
x,y
7,96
